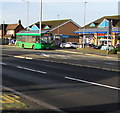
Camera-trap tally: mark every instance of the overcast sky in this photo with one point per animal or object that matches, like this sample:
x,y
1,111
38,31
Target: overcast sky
x,y
13,10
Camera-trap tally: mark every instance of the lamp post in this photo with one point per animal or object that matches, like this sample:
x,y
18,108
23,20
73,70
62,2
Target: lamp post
x,y
58,25
27,12
40,25
84,37
3,29
109,35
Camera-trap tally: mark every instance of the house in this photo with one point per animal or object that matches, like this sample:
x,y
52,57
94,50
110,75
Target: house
x,y
101,31
8,31
64,28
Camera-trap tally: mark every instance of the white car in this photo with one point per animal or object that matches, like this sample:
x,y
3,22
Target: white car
x,y
109,47
70,45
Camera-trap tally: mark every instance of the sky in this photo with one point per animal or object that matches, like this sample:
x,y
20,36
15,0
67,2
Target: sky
x,y
13,10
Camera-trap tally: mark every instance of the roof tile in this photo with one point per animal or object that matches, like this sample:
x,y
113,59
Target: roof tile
x,y
11,26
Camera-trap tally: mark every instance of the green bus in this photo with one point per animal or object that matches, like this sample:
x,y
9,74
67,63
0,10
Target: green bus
x,y
35,40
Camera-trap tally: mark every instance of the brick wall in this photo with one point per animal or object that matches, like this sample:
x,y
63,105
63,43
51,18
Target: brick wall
x,y
73,40
66,29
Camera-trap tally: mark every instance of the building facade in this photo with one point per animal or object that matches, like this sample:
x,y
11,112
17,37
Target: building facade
x,y
63,29
105,31
2,30
10,30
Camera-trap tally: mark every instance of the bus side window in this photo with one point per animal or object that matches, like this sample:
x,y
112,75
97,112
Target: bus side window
x,y
37,39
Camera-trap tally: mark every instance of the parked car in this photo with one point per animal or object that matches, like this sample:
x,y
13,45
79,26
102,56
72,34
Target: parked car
x,y
107,47
97,46
70,45
117,45
90,45
62,45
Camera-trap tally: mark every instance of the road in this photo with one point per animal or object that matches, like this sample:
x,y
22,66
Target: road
x,y
65,56
70,88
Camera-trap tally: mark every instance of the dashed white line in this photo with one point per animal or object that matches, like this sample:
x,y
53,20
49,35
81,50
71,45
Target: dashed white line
x,y
3,63
109,63
45,55
93,83
92,61
31,70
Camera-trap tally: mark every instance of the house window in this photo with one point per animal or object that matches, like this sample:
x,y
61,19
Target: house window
x,y
10,32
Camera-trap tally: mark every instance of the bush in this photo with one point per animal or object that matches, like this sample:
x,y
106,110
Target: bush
x,y
118,48
113,51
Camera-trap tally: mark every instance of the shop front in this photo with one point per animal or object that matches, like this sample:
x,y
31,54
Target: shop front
x,y
99,36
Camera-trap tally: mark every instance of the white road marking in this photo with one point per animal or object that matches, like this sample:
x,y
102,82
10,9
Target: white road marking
x,y
109,63
31,70
60,56
92,61
3,63
93,83
45,55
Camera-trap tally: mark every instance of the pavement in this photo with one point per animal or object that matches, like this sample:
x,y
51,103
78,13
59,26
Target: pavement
x,y
13,101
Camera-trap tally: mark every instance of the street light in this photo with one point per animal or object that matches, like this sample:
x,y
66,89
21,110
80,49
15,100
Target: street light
x,y
109,31
58,24
27,11
84,37
3,27
40,25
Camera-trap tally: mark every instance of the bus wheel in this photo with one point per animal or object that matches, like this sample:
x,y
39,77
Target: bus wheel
x,y
33,47
23,46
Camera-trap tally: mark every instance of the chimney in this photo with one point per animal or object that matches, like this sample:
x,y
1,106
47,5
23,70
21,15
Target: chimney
x,y
19,22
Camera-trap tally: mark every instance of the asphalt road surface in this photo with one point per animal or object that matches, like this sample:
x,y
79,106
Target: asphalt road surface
x,y
70,88
64,56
